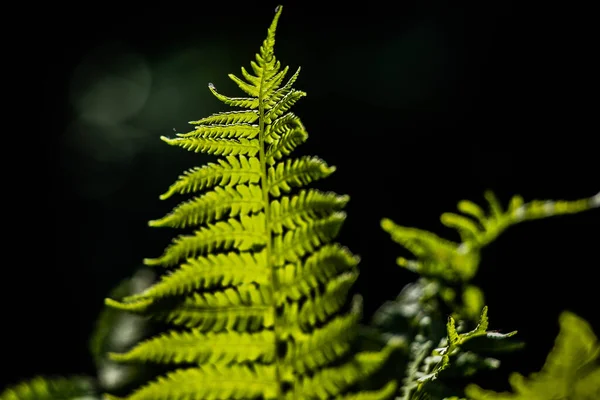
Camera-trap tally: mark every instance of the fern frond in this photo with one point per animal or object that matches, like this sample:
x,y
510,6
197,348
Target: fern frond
x,y
436,257
458,262
42,388
571,369
259,286
486,228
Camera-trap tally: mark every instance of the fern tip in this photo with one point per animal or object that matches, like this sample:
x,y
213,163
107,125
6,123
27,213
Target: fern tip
x,y
211,86
137,306
112,303
387,224
150,262
117,357
165,196
484,312
567,317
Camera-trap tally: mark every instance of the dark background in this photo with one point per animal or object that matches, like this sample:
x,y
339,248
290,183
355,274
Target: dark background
x,y
418,104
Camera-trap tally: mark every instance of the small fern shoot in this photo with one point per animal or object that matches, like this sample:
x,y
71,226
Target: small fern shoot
x,y
258,291
427,363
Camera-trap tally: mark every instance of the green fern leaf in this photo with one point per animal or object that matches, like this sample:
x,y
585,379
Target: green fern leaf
x,y
230,171
283,105
196,347
294,244
242,102
283,176
232,130
571,371
243,308
40,388
279,94
294,211
451,265
458,262
319,309
242,234
214,270
230,201
323,345
297,280
226,118
333,381
238,382
257,292
219,147
283,136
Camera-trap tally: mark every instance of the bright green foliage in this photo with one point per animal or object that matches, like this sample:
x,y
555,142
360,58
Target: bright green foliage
x,y
415,319
455,263
571,371
457,353
433,349
458,262
259,285
40,388
455,341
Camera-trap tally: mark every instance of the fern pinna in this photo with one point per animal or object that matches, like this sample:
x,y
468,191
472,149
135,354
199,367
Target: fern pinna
x,y
259,287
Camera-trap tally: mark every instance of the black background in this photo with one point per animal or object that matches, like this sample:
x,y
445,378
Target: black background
x,y
418,104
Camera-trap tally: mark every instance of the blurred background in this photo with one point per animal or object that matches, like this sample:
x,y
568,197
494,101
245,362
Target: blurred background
x,y
418,103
